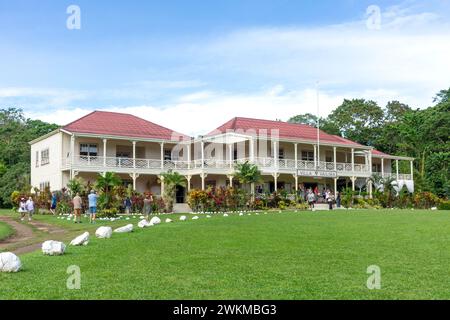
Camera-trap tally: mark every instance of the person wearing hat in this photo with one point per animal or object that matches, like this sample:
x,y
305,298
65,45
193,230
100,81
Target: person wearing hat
x,y
92,197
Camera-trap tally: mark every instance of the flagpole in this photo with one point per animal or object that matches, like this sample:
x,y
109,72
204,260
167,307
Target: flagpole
x,y
318,125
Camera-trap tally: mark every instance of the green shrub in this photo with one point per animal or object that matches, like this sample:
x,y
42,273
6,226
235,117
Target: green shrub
x,y
444,205
108,213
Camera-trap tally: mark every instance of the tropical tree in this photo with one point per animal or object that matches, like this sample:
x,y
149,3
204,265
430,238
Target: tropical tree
x,y
76,185
248,173
387,186
172,180
106,184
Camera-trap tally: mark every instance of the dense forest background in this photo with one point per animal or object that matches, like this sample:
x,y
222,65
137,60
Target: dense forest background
x,y
395,129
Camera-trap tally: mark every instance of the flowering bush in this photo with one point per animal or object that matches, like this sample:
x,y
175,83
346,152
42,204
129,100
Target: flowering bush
x,y
425,200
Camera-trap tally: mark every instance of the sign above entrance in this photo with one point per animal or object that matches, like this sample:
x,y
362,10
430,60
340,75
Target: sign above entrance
x,y
317,173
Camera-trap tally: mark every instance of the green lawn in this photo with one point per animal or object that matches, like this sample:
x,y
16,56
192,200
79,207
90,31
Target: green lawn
x,y
5,231
275,256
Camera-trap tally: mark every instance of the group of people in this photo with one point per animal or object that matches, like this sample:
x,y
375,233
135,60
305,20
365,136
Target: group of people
x,y
329,197
26,207
77,202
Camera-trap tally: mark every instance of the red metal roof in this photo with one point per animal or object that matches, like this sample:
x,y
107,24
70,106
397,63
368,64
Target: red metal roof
x,y
121,124
285,129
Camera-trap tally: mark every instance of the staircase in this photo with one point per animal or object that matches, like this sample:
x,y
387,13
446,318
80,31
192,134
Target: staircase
x,y
181,208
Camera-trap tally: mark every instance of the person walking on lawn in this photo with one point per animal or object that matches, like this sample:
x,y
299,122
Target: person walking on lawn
x,y
148,205
92,197
77,204
30,207
53,203
127,204
22,208
311,197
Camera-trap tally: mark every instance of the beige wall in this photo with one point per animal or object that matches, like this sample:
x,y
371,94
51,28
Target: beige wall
x,y
50,172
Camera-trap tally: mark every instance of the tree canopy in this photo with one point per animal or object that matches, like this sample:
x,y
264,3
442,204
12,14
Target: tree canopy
x,y
16,132
400,130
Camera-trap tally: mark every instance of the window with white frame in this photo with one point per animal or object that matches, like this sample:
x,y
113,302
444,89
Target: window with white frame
x,y
281,154
45,157
37,159
88,149
308,155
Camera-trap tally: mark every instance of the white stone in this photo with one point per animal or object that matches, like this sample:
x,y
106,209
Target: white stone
x,y
208,216
141,217
143,224
195,218
241,214
225,215
9,262
81,240
127,218
183,218
434,208
53,248
127,228
168,220
155,220
103,232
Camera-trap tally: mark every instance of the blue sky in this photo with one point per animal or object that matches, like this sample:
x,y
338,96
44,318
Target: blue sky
x,y
203,62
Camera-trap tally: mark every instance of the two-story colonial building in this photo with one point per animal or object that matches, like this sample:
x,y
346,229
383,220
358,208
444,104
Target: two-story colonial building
x,y
290,156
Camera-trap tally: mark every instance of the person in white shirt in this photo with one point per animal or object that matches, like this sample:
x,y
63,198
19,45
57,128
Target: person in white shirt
x,y
22,208
30,207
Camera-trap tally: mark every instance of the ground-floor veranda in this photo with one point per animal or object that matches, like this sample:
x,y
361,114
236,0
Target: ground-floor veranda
x,y
272,182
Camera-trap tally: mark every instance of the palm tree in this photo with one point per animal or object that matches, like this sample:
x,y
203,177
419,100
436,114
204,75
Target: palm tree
x,y
172,180
105,183
248,173
386,185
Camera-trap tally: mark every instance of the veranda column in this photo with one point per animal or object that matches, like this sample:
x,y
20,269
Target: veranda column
x,y
161,178
230,154
370,162
296,157
188,178
335,185
252,149
334,158
203,176
382,167
316,163
370,188
296,183
72,155
189,155
412,169
396,168
353,160
162,155
353,183
230,177
275,153
202,144
275,180
104,152
134,154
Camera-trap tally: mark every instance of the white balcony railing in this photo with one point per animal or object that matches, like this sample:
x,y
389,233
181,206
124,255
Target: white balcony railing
x,y
264,163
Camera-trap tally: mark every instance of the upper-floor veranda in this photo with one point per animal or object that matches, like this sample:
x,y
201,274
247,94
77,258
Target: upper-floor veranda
x,y
220,153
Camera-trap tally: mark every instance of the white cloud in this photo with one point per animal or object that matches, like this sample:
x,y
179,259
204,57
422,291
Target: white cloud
x,y
406,60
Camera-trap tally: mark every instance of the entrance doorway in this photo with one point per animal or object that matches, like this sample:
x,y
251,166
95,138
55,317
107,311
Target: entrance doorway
x,y
180,194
